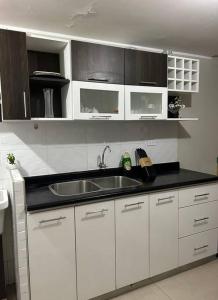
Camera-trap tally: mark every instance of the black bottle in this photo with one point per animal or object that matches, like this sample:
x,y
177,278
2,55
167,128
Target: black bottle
x,y
148,172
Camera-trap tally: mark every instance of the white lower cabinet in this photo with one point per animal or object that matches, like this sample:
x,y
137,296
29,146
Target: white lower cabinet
x,y
95,248
163,232
111,244
197,246
132,240
51,239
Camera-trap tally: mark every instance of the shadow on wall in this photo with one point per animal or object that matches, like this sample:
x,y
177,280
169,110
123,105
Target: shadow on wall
x,y
182,132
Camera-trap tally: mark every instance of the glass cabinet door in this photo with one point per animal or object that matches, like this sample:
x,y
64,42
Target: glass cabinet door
x,y
98,101
145,102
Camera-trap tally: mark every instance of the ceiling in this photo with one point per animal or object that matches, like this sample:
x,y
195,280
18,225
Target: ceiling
x,y
181,25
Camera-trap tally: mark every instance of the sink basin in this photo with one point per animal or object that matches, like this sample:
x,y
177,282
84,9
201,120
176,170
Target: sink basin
x,y
72,188
3,206
116,182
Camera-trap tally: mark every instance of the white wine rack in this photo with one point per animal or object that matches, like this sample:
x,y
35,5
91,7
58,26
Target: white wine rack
x,y
183,74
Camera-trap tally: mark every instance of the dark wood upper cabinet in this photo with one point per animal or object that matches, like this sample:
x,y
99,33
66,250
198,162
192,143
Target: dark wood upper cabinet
x,y
145,68
97,63
14,76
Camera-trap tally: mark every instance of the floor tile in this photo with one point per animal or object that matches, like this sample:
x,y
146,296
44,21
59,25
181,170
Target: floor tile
x,y
150,292
197,284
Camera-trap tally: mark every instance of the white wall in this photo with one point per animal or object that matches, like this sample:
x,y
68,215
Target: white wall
x,y
198,141
74,146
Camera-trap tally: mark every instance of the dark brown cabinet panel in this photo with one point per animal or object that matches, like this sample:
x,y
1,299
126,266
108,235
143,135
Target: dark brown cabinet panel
x,y
14,76
97,63
145,68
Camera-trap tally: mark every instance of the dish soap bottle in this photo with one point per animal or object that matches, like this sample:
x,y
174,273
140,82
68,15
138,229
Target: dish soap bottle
x,y
126,161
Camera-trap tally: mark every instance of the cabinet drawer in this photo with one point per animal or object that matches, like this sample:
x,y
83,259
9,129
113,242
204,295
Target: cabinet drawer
x,y
199,194
197,246
198,218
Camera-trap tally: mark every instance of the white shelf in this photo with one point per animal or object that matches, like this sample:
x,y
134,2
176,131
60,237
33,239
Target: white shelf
x,y
183,74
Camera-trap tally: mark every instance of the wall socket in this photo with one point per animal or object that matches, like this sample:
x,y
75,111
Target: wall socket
x,y
152,143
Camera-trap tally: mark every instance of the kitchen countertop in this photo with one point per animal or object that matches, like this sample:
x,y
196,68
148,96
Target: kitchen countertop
x,y
38,195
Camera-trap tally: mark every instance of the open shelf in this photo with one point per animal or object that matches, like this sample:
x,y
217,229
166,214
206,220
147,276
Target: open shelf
x,y
49,55
48,82
183,74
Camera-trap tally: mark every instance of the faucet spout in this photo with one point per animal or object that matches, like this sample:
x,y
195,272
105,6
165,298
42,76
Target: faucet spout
x,y
102,164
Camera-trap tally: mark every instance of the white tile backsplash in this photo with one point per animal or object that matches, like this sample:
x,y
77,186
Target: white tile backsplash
x,y
58,147
66,159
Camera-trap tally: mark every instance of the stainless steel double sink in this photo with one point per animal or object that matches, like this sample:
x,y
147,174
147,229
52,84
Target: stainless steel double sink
x,y
87,186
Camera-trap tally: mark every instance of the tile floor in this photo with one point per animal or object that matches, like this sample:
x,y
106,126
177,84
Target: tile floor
x,y
200,283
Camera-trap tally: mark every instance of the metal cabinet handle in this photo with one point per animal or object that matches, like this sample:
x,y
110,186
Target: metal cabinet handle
x,y
98,79
148,82
100,117
202,219
148,117
202,247
167,199
24,103
202,195
133,204
52,220
96,212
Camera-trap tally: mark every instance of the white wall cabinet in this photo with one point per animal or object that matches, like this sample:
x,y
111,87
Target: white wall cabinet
x,y
163,232
51,239
132,240
97,101
183,74
145,103
95,248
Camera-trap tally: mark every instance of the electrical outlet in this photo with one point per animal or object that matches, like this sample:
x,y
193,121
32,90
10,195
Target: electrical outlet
x,y
152,143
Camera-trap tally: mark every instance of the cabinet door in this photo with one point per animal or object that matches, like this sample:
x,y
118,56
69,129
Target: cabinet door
x,y
145,103
51,238
132,249
97,101
98,63
145,68
95,249
14,76
163,232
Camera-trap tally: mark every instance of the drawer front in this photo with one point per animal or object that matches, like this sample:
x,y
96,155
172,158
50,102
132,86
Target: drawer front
x,y
198,218
199,194
197,246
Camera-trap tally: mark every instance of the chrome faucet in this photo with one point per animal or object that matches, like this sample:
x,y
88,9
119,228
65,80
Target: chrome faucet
x,y
102,164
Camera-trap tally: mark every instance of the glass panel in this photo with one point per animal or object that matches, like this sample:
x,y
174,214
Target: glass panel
x,y
146,103
99,101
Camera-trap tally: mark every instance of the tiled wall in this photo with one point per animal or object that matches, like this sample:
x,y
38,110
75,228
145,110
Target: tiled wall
x,y
74,146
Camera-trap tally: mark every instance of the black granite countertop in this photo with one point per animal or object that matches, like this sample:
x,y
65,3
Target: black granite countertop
x,y
38,195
